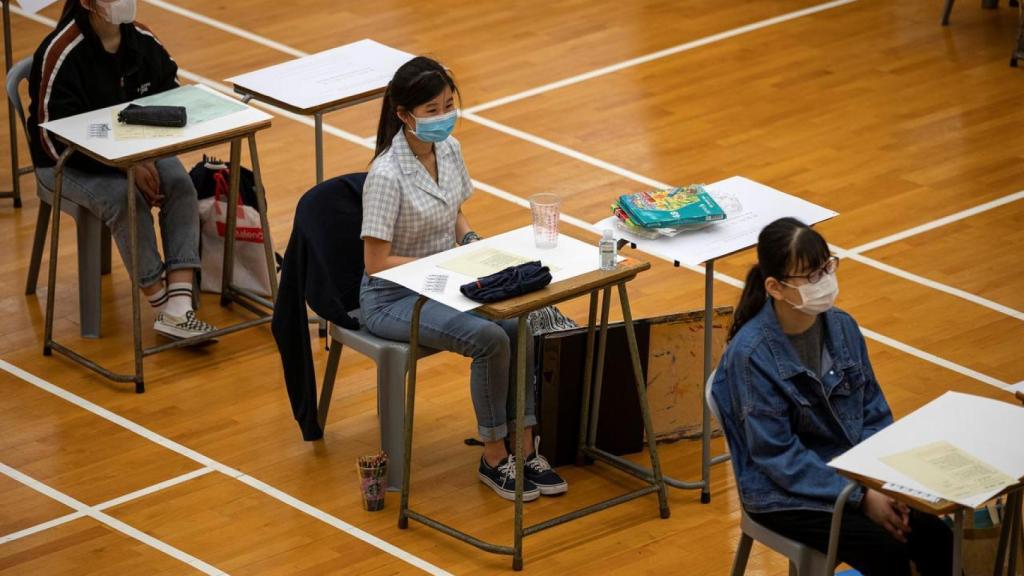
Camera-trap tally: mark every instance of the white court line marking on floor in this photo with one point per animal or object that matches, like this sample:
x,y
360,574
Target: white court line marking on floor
x,y
212,22
109,521
918,279
660,54
937,360
686,46
368,143
173,446
596,162
938,222
108,504
154,488
41,527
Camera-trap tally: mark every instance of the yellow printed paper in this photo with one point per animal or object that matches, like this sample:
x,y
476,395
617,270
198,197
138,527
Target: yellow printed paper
x,y
949,471
483,262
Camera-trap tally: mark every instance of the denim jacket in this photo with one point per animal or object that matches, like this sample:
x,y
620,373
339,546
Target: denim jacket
x,y
783,425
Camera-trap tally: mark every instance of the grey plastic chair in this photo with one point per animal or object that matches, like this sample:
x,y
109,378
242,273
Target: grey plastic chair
x,y
803,560
392,359
93,235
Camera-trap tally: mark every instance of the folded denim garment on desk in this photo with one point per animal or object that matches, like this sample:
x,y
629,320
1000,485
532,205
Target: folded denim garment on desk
x,y
512,281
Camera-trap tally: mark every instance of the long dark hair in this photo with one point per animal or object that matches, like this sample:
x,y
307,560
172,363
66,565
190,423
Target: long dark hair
x,y
417,81
72,8
784,245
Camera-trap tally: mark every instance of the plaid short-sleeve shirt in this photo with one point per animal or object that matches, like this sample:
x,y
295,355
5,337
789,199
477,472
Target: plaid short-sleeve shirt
x,y
403,205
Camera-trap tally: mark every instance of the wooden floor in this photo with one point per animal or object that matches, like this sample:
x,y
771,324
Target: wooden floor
x,y
867,107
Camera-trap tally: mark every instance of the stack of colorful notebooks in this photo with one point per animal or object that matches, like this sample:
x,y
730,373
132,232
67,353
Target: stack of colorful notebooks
x,y
666,212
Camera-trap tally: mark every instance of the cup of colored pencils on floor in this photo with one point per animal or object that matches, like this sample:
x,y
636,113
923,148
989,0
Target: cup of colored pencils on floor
x,y
373,478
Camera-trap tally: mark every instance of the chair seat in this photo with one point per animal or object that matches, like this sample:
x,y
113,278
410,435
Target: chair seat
x,y
67,206
804,560
375,347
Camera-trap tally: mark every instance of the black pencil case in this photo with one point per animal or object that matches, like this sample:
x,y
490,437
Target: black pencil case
x,y
171,116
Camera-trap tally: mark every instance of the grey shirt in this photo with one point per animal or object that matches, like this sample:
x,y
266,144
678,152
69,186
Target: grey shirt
x,y
809,346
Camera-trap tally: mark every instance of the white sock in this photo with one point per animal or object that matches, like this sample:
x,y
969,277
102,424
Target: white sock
x,y
158,300
179,299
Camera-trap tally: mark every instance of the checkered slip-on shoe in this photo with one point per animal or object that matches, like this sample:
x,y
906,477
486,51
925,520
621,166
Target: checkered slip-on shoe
x,y
180,328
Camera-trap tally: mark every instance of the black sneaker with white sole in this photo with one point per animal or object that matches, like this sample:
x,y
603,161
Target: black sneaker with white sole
x,y
502,479
183,327
537,470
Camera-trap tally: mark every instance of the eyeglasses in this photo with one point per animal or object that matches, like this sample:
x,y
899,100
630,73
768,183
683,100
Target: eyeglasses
x,y
830,267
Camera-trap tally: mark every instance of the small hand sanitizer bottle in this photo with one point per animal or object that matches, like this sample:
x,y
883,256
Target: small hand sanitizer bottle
x,y
607,249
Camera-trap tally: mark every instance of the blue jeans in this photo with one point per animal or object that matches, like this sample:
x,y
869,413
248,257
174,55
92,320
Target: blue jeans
x,y
387,312
105,195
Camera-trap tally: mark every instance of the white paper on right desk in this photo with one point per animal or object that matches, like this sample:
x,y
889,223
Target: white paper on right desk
x,y
988,429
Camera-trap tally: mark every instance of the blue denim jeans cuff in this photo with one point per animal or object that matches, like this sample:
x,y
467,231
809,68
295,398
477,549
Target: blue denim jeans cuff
x,y
494,433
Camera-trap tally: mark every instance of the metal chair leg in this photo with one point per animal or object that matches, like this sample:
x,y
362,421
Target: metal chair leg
x,y
946,11
390,415
90,266
739,562
327,387
38,242
588,371
105,250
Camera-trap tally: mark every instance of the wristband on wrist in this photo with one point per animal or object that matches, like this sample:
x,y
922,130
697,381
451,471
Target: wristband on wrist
x,y
468,237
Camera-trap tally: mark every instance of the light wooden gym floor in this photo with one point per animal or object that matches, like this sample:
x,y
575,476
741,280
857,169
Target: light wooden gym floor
x,y
867,107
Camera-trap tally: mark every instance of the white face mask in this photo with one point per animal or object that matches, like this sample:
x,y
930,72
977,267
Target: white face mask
x,y
818,297
116,12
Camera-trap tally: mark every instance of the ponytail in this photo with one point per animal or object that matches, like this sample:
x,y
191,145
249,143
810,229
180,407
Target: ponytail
x,y
416,82
784,245
751,301
388,126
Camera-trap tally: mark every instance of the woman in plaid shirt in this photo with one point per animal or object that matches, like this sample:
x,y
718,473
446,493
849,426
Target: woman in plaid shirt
x,y
412,207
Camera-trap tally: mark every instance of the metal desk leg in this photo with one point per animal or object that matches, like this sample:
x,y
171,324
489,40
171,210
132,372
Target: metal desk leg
x,y
12,123
318,130
261,201
602,345
51,280
1015,531
318,145
958,542
232,220
517,543
705,417
410,406
588,366
641,392
133,246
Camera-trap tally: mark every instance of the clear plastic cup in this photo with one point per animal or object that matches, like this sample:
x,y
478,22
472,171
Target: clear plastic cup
x,y
545,209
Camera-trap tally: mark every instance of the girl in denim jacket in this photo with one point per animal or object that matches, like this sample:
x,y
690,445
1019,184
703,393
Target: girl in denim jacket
x,y
794,390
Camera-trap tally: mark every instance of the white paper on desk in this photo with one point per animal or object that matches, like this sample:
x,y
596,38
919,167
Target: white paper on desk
x,y
75,129
987,429
749,207
200,105
33,6
327,76
571,258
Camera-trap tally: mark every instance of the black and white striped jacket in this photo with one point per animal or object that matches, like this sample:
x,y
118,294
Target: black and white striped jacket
x,y
72,73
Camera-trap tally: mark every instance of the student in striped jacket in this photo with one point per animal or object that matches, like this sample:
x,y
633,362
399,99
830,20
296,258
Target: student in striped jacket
x,y
98,56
